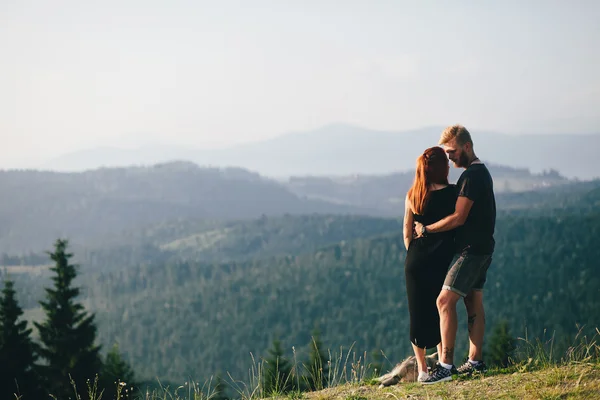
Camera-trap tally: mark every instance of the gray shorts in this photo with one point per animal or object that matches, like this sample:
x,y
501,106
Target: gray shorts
x,y
468,272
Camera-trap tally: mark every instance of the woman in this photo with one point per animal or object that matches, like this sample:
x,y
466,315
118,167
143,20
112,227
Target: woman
x,y
429,199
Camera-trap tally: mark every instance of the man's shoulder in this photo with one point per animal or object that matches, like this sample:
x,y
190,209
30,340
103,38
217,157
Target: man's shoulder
x,y
483,171
466,174
476,170
482,167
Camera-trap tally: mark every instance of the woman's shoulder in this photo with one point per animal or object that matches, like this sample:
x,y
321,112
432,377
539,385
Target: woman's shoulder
x,y
451,187
449,191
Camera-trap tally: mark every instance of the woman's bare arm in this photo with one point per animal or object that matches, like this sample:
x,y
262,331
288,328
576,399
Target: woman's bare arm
x,y
408,223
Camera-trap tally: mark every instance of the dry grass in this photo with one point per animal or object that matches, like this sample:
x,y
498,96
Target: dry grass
x,y
533,374
574,381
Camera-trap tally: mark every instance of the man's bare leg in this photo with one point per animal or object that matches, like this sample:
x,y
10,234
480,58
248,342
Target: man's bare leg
x,y
446,303
476,318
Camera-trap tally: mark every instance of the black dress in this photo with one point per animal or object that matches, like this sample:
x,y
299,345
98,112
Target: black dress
x,y
425,267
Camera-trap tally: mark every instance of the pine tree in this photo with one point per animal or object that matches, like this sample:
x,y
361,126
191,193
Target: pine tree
x,y
17,351
376,366
277,371
318,368
68,334
501,345
116,371
219,391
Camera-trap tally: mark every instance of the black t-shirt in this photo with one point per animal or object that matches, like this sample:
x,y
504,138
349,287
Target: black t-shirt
x,y
477,234
440,204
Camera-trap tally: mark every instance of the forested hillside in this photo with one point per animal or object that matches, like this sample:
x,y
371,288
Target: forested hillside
x,y
190,318
194,296
39,206
211,239
235,240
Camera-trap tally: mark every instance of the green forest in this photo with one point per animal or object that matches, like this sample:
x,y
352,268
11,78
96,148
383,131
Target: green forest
x,y
190,318
195,299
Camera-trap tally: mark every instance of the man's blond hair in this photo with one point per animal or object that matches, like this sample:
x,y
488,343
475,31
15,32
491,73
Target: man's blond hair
x,y
458,132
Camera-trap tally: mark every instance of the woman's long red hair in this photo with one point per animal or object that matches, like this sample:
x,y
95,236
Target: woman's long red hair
x,y
432,167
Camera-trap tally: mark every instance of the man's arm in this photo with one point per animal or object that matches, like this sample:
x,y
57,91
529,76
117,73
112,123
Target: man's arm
x,y
458,218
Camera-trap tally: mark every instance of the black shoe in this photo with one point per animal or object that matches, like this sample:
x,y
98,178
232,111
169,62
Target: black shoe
x,y
468,369
439,374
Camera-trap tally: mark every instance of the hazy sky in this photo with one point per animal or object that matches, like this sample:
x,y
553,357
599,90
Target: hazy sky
x,y
75,74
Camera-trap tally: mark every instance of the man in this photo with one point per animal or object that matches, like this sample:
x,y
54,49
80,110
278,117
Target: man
x,y
474,219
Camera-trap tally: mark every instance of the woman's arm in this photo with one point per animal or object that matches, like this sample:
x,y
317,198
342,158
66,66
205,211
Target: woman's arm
x,y
408,223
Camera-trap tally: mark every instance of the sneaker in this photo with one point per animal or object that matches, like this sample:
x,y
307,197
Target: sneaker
x,y
439,374
468,369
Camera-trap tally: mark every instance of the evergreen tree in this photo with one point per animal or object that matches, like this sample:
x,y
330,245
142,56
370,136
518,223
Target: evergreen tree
x,y
318,368
501,345
116,371
17,351
376,366
277,371
219,391
68,334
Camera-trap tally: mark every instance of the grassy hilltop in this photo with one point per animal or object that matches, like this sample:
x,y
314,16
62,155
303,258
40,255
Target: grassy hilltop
x,y
532,373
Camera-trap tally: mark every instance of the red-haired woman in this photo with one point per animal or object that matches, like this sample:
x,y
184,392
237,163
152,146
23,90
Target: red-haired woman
x,y
429,199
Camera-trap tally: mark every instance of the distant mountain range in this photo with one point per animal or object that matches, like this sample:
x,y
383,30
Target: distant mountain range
x,y
345,150
387,192
39,206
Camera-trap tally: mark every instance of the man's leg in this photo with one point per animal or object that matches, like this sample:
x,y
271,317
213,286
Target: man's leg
x,y
476,318
446,303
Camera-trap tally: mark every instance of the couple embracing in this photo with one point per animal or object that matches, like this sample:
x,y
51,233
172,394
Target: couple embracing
x,y
449,237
